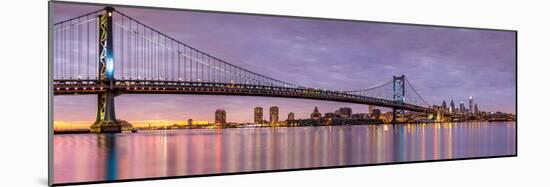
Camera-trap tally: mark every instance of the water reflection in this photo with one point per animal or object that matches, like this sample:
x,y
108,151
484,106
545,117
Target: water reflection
x,y
94,157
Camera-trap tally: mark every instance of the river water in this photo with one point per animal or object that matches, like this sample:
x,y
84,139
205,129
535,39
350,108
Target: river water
x,y
99,157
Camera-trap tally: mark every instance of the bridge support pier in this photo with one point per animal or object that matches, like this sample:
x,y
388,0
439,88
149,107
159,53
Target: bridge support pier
x,y
396,113
106,121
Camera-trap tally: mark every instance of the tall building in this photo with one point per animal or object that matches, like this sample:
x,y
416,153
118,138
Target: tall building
x,y
475,109
220,117
371,108
258,115
471,104
444,105
452,109
290,116
274,114
462,107
190,122
316,115
344,112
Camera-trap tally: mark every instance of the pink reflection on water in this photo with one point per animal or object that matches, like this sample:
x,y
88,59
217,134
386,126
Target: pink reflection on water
x,y
97,157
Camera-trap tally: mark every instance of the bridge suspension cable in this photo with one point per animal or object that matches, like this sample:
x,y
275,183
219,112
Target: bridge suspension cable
x,y
143,54
76,47
381,90
165,58
414,98
385,90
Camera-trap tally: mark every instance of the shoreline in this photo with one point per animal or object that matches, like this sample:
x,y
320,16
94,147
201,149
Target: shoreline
x,y
87,131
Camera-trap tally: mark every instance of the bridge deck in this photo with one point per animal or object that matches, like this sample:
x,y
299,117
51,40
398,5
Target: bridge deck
x,y
81,87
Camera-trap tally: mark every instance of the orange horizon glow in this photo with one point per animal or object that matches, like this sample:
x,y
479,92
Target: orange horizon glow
x,y
62,125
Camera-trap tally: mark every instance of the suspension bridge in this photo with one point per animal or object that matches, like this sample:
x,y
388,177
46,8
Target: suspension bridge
x,y
89,48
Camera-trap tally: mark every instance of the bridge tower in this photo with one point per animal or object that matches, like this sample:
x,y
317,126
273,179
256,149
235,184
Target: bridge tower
x,y
106,120
398,96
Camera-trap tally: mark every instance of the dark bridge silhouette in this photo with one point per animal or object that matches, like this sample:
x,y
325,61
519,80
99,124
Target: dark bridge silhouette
x,y
89,48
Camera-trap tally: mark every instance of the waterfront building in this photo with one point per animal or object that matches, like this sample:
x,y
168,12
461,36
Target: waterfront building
x,y
274,114
316,115
360,116
258,115
190,122
330,115
462,107
444,105
220,117
475,109
344,112
290,116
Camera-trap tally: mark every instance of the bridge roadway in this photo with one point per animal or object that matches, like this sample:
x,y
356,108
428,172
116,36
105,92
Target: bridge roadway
x,y
83,87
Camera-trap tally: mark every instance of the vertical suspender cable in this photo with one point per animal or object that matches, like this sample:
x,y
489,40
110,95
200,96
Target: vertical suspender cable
x,y
180,68
71,51
184,69
165,59
79,48
87,49
122,48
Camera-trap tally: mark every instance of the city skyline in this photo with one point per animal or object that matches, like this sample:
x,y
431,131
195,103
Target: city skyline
x,y
322,54
256,112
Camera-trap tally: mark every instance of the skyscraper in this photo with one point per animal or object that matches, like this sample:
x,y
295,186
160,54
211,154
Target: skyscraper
x,y
475,109
274,114
462,107
190,122
316,115
444,105
290,116
471,104
258,115
220,117
452,109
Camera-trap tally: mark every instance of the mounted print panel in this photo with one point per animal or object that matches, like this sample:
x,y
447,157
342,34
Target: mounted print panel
x,y
151,93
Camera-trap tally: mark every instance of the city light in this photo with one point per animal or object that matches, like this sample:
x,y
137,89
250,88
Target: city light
x,y
110,67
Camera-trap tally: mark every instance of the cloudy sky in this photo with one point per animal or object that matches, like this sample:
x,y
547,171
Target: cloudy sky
x,y
441,63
